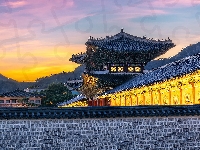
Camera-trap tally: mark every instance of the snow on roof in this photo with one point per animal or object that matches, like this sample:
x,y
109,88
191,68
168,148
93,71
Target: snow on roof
x,y
75,99
171,70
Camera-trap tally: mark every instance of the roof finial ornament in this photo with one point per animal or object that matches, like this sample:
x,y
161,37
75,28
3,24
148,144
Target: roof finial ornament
x,y
122,30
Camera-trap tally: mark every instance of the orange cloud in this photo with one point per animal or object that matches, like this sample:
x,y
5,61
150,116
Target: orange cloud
x,y
42,61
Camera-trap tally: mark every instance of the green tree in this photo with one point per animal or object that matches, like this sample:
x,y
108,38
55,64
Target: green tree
x,y
55,94
90,87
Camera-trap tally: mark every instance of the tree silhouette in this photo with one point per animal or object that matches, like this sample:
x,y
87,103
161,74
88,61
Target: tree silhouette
x,y
90,87
55,94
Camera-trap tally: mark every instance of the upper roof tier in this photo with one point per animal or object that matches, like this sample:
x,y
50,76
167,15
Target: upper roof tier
x,y
125,42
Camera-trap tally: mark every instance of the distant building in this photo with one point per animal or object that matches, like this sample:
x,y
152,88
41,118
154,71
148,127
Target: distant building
x,y
13,99
32,90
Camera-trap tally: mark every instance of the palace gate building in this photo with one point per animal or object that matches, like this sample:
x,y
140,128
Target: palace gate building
x,y
116,59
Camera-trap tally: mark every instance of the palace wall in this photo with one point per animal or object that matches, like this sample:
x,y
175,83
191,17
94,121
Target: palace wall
x,y
105,134
105,128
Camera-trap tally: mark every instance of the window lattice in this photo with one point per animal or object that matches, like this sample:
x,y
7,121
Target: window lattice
x,y
130,69
113,69
120,69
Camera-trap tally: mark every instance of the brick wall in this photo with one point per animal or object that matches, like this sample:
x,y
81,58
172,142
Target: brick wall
x,y
99,134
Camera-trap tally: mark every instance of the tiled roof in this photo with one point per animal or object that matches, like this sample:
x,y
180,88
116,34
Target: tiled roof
x,y
98,112
126,42
171,70
19,93
78,58
75,99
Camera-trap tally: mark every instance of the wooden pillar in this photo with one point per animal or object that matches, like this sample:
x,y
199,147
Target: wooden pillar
x,y
127,100
120,97
106,101
143,98
159,98
151,99
137,99
92,102
130,97
111,101
181,96
170,95
99,103
124,100
196,93
132,100
89,103
116,100
95,102
193,93
103,101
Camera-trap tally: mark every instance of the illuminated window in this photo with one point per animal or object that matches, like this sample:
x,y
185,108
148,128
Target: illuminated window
x,y
130,69
137,69
120,69
113,69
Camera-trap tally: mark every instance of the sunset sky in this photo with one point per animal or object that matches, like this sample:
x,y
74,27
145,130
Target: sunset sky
x,y
39,36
